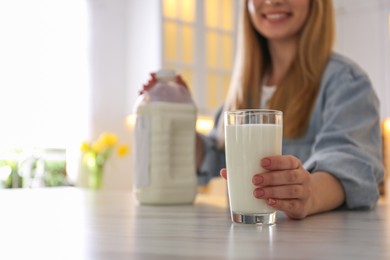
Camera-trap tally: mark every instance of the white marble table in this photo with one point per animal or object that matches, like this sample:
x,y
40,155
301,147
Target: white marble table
x,y
71,223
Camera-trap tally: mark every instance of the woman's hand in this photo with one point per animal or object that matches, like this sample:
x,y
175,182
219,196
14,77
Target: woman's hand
x,y
288,187
153,80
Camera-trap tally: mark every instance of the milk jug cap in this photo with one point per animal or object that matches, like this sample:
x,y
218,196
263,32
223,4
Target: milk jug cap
x,y
166,74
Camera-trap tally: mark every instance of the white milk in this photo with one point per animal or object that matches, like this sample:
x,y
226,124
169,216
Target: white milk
x,y
246,145
165,171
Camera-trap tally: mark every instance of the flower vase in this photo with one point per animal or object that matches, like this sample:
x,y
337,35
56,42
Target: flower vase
x,y
95,178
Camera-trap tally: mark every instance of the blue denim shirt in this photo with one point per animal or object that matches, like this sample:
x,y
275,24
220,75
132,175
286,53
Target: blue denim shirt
x,y
343,137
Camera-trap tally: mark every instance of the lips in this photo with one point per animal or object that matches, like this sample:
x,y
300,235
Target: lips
x,y
273,17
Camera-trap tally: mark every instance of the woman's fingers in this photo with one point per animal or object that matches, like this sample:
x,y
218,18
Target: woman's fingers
x,y
151,82
282,170
285,190
280,162
281,192
223,173
293,208
286,186
287,177
180,81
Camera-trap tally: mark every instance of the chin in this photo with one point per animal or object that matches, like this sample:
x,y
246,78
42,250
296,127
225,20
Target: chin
x,y
279,36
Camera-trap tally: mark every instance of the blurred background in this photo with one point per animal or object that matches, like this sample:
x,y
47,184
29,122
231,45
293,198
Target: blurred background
x,y
72,69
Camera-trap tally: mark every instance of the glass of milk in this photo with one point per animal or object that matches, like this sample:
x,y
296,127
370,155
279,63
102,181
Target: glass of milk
x,y
250,135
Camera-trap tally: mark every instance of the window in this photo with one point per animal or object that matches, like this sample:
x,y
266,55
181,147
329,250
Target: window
x,y
198,42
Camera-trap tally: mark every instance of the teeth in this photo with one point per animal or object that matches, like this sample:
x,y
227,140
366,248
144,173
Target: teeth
x,y
276,16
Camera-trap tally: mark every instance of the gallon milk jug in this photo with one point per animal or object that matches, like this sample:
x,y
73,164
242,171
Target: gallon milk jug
x,y
164,143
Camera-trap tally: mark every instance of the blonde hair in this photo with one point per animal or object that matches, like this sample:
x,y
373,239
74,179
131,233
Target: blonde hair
x,y
296,92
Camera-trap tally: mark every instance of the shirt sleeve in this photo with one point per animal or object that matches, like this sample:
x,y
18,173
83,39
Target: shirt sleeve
x,y
214,158
348,145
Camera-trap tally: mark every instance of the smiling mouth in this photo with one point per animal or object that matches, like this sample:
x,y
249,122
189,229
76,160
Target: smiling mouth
x,y
276,16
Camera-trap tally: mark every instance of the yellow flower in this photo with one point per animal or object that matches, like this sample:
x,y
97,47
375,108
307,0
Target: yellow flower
x,y
112,140
100,150
85,147
107,139
122,150
97,153
97,146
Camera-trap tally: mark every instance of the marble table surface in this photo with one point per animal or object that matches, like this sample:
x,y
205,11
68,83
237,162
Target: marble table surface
x,y
73,223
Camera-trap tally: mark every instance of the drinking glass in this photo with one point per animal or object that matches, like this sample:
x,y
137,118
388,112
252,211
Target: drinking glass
x,y
250,135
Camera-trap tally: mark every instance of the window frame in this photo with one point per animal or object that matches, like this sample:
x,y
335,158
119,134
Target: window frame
x,y
199,66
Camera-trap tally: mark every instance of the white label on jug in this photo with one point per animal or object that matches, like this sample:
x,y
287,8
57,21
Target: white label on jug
x,y
141,151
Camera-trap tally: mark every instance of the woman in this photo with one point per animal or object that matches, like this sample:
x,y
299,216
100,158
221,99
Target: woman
x,y
332,146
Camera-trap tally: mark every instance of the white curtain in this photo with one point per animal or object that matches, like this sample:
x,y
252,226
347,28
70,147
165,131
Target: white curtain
x,y
43,73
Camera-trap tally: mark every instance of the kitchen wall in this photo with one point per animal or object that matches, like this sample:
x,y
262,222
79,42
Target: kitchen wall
x,y
125,46
109,99
363,34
